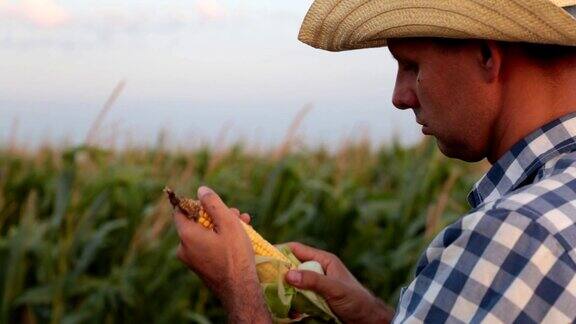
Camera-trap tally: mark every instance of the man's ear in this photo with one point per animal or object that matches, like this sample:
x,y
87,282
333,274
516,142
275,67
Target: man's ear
x,y
490,59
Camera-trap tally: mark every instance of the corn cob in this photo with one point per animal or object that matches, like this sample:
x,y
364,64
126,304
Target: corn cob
x,y
267,272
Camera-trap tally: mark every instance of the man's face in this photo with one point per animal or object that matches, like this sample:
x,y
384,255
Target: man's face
x,y
447,91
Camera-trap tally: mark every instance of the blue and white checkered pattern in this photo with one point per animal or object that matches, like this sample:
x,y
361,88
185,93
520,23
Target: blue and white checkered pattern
x,y
513,257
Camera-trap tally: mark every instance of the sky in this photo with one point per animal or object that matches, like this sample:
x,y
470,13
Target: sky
x,y
199,71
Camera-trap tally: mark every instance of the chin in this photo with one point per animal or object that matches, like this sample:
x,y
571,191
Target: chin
x,y
460,152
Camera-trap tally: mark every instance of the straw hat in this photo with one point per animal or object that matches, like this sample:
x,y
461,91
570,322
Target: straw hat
x,y
339,25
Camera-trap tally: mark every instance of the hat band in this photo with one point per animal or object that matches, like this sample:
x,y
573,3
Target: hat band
x,y
571,10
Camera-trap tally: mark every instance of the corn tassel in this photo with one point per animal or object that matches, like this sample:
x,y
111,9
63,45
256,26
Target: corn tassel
x,y
267,272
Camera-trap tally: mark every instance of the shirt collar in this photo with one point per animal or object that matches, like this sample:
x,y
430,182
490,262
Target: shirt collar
x,y
520,164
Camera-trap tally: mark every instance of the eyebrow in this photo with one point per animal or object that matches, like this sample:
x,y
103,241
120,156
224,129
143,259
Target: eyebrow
x,y
402,60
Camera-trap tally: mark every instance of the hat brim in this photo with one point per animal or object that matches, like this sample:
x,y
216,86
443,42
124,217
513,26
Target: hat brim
x,y
339,25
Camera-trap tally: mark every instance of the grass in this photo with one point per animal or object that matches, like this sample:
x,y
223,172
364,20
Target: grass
x,y
86,234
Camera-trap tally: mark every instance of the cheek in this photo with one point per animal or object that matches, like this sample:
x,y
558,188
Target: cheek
x,y
439,105
436,89
459,109
454,113
452,100
466,132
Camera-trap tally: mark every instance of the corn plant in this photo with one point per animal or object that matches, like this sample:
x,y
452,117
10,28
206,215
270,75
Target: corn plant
x,y
86,234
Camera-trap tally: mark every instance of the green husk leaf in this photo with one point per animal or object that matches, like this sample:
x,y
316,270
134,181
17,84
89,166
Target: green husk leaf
x,y
283,299
278,306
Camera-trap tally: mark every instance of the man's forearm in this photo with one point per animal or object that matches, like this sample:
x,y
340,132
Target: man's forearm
x,y
375,310
247,305
383,313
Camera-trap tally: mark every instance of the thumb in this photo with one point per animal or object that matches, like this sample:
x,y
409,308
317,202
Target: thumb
x,y
319,283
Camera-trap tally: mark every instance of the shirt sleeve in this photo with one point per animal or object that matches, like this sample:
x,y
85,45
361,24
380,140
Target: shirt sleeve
x,y
494,266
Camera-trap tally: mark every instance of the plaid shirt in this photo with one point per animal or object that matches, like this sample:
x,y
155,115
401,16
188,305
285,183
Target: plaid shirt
x,y
513,257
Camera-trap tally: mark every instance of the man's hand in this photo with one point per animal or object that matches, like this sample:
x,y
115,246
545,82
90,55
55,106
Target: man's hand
x,y
223,258
347,298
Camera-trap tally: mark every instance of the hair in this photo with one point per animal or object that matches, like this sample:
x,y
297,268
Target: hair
x,y
545,55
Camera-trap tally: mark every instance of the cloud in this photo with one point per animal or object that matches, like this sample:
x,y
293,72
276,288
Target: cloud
x,y
40,13
211,9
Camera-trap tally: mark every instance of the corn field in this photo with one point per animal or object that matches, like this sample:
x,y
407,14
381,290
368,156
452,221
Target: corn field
x,y
86,234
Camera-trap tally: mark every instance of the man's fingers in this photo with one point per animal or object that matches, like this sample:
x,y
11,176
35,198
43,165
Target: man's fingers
x,y
321,284
188,230
245,218
307,253
216,208
180,220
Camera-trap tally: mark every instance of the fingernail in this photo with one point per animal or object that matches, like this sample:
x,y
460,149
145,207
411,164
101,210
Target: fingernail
x,y
294,276
203,190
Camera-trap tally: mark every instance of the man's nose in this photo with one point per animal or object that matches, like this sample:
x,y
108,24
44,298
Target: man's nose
x,y
404,97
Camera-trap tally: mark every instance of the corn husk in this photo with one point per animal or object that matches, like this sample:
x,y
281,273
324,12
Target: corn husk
x,y
288,304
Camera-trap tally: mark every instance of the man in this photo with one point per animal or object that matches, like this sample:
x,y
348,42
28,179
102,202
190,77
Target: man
x,y
487,79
